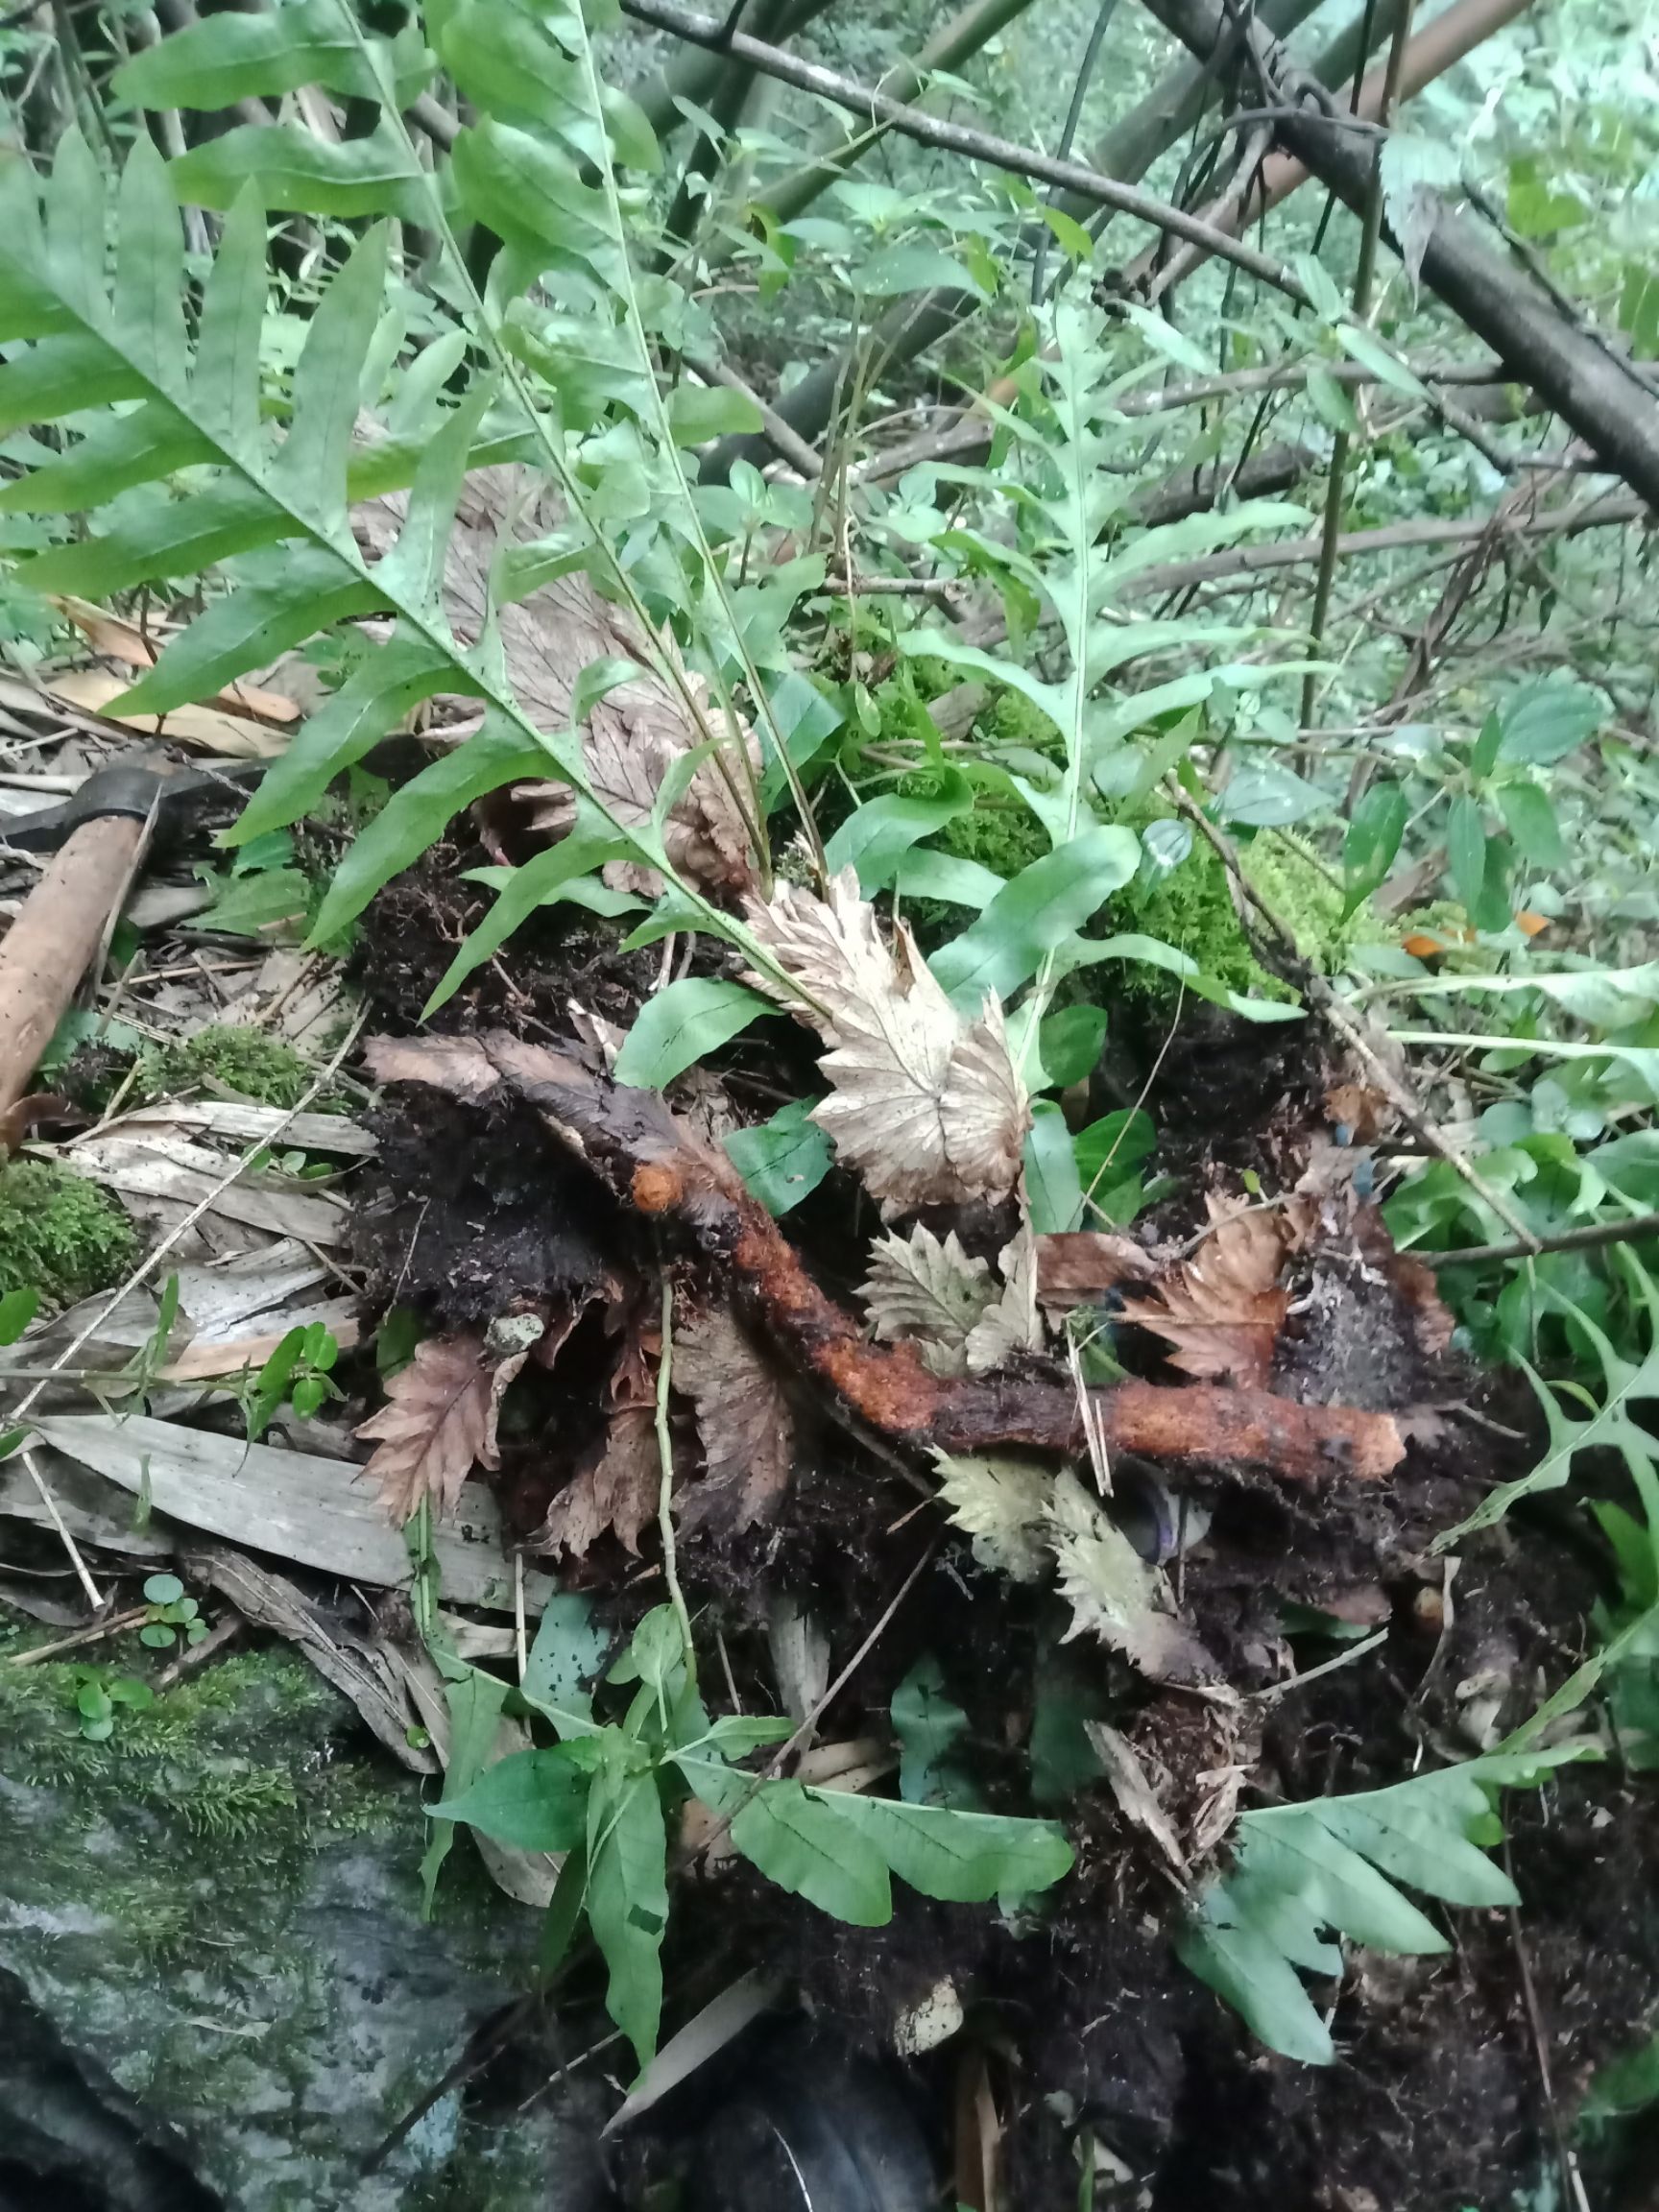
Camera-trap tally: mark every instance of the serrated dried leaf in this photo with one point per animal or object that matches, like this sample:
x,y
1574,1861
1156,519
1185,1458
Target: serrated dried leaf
x,y
1222,1309
1013,1325
743,1419
618,1491
926,1292
1004,1505
1076,1266
928,1108
1114,1594
438,1422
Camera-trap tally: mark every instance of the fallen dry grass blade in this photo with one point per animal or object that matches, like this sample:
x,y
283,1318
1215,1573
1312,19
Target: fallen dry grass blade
x,y
438,1423
1222,1309
928,1109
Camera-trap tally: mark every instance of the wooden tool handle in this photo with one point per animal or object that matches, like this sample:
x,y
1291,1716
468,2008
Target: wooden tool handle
x,y
44,953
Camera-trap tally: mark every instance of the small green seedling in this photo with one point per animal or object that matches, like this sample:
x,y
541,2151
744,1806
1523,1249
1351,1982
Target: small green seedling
x,y
98,1694
299,1371
168,1613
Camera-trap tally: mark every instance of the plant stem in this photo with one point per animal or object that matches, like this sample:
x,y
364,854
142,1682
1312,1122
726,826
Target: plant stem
x,y
1595,1234
666,1489
1364,279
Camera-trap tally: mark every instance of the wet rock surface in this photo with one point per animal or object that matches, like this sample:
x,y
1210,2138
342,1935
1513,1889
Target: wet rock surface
x,y
215,1983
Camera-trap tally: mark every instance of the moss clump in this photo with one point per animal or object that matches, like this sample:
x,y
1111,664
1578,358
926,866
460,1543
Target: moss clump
x,y
267,1069
1306,900
1190,907
59,1233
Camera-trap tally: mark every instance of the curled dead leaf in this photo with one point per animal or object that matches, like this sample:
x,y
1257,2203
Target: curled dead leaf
x,y
618,1490
439,1420
744,1418
1222,1309
926,1107
1013,1325
1076,1266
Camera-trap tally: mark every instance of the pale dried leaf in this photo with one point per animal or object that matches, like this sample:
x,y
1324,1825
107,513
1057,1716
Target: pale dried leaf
x,y
232,737
928,1108
1004,1505
1013,1325
929,1293
636,732
1076,1266
438,1423
800,1652
618,1491
1132,1787
1113,1593
744,1418
1222,1309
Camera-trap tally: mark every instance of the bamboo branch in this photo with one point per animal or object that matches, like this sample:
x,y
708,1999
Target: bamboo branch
x,y
1637,1230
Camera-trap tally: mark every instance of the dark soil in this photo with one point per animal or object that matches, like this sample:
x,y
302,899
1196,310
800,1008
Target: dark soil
x,y
1435,2102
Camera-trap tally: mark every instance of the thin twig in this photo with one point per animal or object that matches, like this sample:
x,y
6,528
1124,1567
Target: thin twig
x,y
1336,1013
1346,1658
95,1598
113,1626
803,1734
948,138
1586,1240
1570,2178
782,436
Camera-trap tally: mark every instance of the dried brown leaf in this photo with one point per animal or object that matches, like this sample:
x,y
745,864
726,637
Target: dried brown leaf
x,y
1076,1265
928,1108
928,1292
744,1418
1138,1800
438,1422
618,1491
635,732
1222,1309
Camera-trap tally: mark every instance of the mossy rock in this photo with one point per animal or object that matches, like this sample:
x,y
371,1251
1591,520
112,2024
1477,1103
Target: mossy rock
x,y
221,1906
59,1233
265,1069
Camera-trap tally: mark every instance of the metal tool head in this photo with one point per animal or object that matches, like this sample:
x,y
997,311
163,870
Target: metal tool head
x,y
148,787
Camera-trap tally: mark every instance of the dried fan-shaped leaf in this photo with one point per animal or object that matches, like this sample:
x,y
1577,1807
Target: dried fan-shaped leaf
x,y
929,1293
928,1108
744,1418
1222,1309
1114,1594
439,1420
618,1491
1003,1504
1013,1325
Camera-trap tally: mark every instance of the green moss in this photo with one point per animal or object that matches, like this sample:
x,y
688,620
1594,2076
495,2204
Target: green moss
x,y
59,1233
1191,907
1306,898
265,1069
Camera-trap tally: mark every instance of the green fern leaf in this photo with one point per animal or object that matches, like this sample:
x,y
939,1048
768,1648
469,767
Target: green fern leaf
x,y
62,377
1612,1427
542,881
309,474
416,815
531,194
225,389
232,57
77,217
287,598
376,696
1331,1863
373,175
180,539
412,573
119,452
150,271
